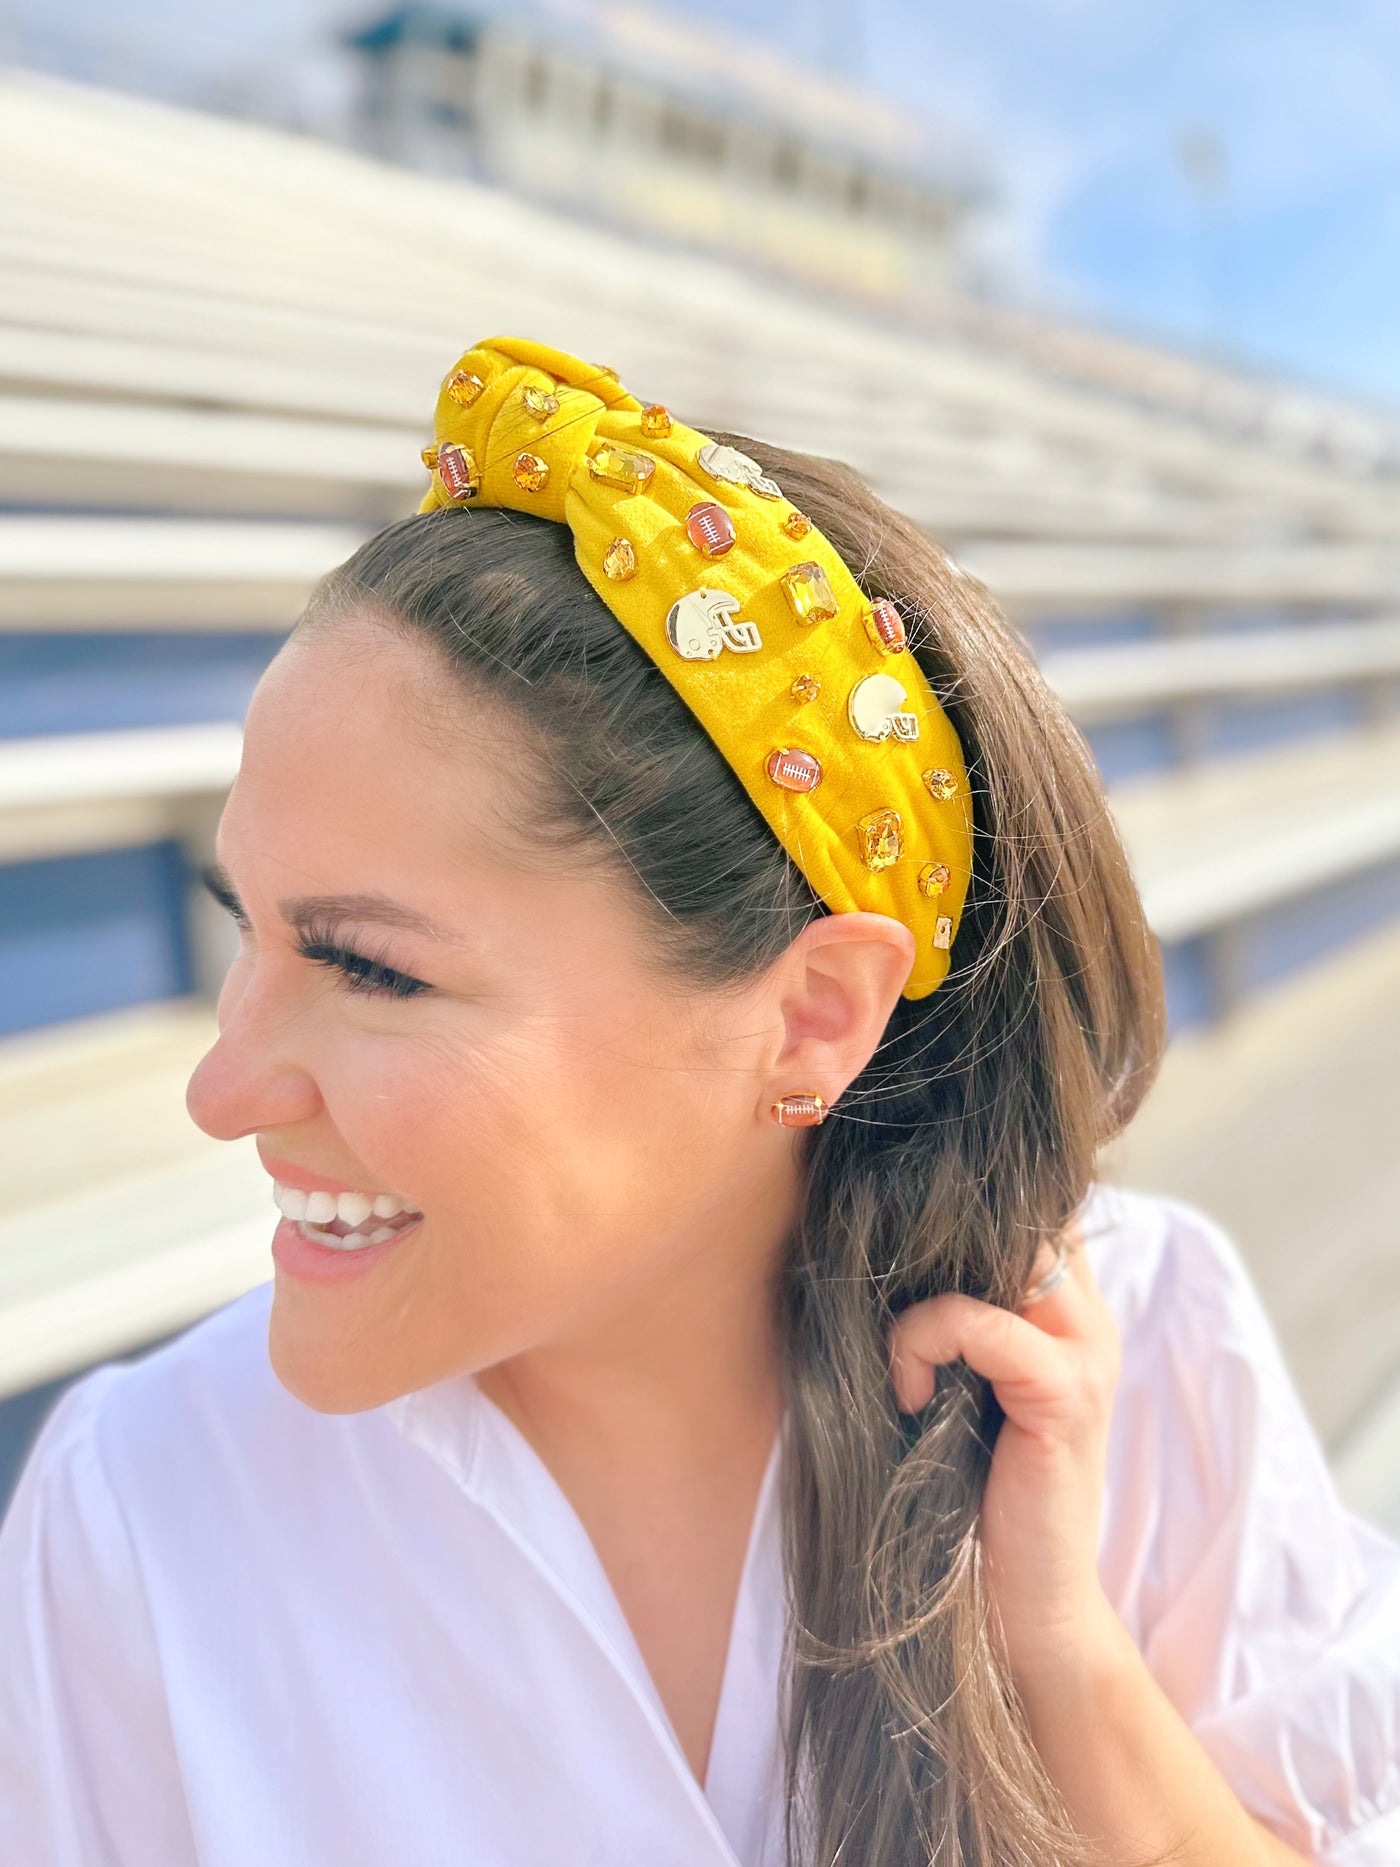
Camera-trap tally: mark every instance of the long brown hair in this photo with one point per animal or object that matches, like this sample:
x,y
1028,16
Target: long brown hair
x,y
969,1138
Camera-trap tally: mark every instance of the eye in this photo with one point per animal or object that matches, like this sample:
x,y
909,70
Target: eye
x,y
357,972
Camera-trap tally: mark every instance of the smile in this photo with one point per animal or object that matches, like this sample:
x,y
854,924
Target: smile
x,y
342,1220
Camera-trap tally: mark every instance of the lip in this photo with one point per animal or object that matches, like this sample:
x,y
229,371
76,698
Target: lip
x,y
302,1258
287,1173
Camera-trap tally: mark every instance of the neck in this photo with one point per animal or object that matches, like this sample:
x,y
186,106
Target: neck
x,y
682,1381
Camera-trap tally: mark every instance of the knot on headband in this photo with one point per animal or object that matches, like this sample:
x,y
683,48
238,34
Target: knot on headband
x,y
805,684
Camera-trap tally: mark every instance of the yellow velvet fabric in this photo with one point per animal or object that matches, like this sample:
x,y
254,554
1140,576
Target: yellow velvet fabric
x,y
742,699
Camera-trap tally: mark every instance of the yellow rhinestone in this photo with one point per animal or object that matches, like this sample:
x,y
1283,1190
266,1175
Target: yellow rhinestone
x,y
541,403
621,466
656,421
463,387
797,525
943,931
620,560
606,369
805,687
809,593
530,472
429,459
934,877
940,783
881,839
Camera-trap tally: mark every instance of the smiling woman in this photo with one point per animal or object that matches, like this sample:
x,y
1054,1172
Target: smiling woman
x,y
652,1481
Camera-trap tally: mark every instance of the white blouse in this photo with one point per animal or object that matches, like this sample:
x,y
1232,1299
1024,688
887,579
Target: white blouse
x,y
236,1630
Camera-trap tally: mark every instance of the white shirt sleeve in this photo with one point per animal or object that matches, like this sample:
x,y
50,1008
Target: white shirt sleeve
x,y
88,1772
1268,1612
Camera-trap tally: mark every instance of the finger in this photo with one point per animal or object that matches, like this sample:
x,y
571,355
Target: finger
x,y
1082,1271
1101,1323
991,1340
1048,1260
1077,1309
1059,1310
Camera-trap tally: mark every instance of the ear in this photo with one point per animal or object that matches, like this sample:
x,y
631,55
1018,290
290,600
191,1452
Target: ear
x,y
835,988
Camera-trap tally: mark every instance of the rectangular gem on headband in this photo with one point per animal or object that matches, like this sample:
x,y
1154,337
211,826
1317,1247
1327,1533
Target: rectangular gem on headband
x,y
620,466
809,593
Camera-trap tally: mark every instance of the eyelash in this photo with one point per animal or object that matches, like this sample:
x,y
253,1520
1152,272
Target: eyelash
x,y
357,972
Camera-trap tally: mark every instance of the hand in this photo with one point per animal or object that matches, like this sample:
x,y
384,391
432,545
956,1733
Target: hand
x,y
1053,1366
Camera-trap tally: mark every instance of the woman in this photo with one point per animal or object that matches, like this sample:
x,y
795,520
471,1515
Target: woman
x,y
610,1473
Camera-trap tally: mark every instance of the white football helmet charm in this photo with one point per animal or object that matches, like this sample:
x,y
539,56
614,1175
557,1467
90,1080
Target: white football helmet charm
x,y
700,626
736,469
875,709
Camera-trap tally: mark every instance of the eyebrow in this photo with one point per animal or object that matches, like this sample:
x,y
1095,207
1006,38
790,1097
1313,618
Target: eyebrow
x,y
302,911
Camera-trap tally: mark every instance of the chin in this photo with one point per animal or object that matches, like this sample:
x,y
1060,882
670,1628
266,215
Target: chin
x,y
322,1373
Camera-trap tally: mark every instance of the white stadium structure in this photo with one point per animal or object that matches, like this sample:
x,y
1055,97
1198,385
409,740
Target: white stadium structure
x,y
219,348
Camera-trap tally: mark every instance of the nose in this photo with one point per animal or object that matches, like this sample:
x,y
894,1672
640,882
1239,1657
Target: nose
x,y
252,1079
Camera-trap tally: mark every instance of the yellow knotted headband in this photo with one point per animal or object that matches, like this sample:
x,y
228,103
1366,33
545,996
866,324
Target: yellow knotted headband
x,y
804,684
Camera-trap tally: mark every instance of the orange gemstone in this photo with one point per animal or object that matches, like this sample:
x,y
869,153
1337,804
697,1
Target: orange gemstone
x,y
881,839
529,472
805,687
943,931
799,1111
885,627
620,560
710,529
809,593
458,471
934,878
797,525
463,387
940,783
794,769
656,420
541,403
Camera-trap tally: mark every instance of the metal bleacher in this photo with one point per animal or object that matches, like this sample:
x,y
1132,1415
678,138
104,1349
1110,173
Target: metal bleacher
x,y
219,346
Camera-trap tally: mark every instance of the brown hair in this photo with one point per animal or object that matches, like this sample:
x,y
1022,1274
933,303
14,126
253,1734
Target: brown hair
x,y
969,1138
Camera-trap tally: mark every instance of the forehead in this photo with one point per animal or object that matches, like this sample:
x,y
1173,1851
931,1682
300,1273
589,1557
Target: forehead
x,y
362,773
360,748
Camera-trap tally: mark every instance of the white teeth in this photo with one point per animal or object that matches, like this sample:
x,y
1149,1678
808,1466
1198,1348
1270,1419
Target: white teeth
x,y
352,1241
319,1208
291,1201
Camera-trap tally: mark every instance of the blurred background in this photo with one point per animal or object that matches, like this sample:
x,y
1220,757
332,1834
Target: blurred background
x,y
1101,294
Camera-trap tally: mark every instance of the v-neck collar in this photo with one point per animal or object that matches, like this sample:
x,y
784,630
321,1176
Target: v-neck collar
x,y
481,1447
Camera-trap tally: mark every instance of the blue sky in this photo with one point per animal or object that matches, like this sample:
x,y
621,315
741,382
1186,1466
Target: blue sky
x,y
1082,105
1079,109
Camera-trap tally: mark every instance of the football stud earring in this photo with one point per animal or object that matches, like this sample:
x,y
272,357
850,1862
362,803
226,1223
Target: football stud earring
x,y
803,1110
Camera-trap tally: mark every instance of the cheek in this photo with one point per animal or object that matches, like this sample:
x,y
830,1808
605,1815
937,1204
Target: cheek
x,y
406,1106
541,1141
